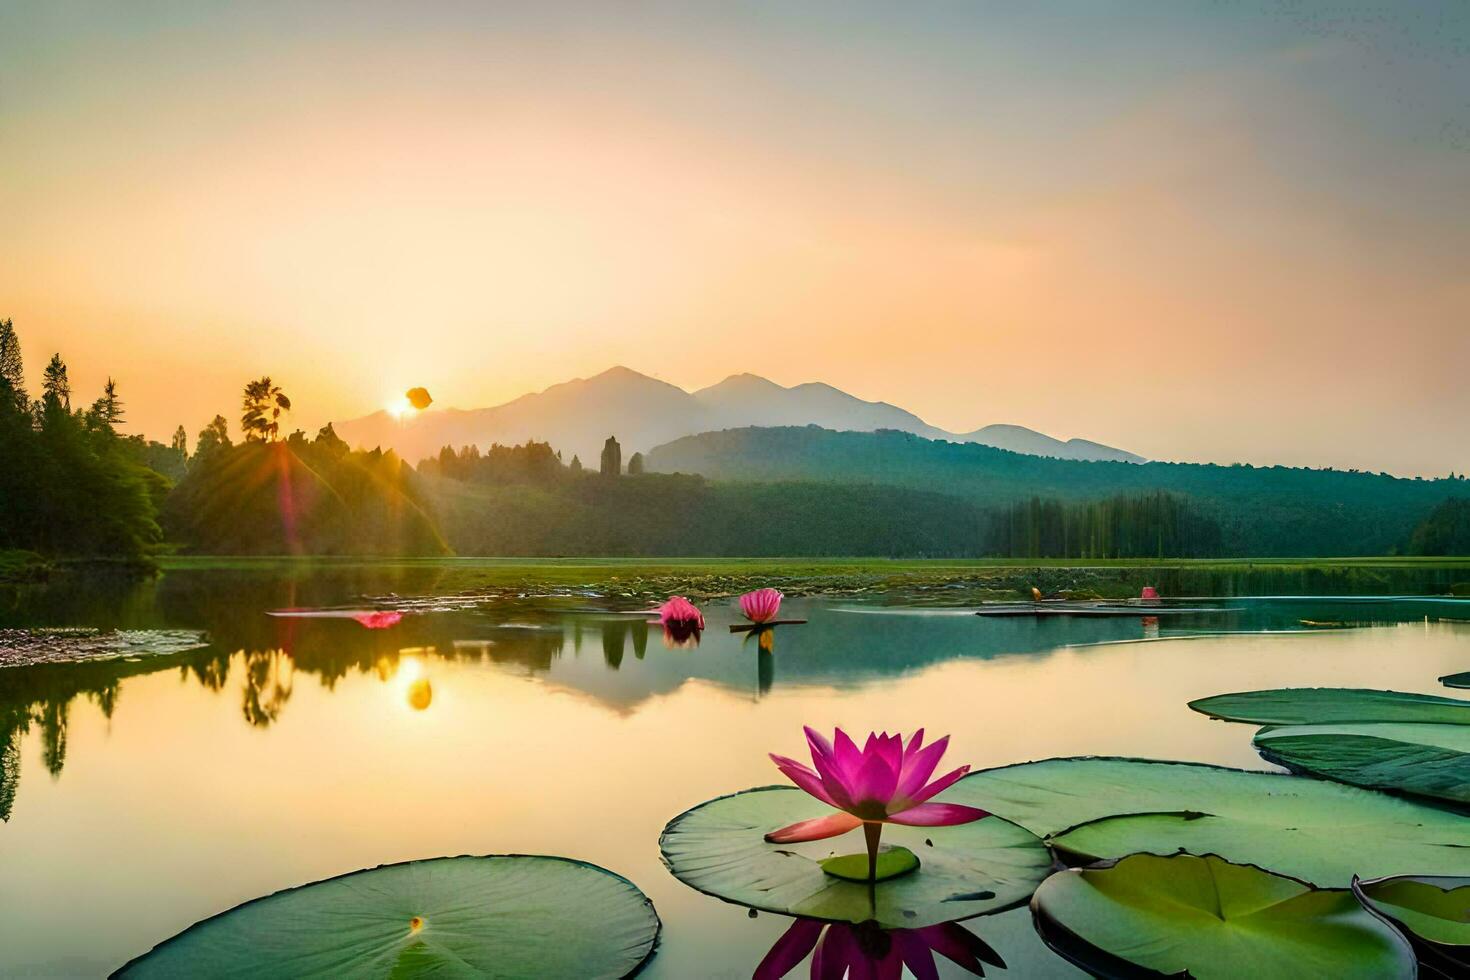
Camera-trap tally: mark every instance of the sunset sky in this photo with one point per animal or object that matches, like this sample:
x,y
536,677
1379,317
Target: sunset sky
x,y
1204,231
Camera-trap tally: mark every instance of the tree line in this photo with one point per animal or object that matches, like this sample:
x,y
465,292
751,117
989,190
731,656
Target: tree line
x,y
74,485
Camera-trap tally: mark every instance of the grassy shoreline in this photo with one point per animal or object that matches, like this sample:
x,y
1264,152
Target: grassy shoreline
x,y
205,562
951,579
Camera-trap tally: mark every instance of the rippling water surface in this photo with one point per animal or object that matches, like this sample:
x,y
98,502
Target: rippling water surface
x,y
145,794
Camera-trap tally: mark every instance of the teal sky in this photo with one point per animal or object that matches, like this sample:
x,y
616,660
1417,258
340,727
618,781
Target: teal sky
x,y
1214,231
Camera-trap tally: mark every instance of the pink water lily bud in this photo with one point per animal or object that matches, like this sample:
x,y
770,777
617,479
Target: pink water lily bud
x,y
761,606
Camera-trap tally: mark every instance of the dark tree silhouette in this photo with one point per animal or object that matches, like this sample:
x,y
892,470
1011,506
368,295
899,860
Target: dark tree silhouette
x,y
214,436
12,367
54,383
263,404
635,464
180,442
109,408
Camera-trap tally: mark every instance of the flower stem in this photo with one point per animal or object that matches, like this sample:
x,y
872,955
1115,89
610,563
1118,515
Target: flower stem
x,y
872,831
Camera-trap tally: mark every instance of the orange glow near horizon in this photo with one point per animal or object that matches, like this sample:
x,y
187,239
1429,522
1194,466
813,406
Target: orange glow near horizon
x,y
1238,248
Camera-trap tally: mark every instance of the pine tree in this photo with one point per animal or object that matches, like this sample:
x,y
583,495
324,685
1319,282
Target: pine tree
x,y
109,408
12,368
55,385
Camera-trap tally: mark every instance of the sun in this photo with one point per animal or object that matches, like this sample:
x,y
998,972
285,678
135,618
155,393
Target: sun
x,y
399,406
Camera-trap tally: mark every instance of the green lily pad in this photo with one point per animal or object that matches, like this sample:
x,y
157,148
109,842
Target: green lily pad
x,y
1204,917
1432,908
719,848
892,862
1426,760
1330,705
1322,832
1456,680
505,915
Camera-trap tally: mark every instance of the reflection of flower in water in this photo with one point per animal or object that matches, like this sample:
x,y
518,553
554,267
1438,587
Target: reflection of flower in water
x,y
680,638
420,694
866,951
379,619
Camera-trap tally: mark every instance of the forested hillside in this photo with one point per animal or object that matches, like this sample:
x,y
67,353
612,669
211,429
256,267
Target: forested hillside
x,y
1261,510
300,496
69,484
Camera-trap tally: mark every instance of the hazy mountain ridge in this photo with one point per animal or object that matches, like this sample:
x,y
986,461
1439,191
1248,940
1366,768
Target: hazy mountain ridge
x,y
577,416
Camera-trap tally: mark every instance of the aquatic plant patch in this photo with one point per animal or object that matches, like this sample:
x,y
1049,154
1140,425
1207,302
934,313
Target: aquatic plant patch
x,y
1204,917
503,916
719,848
1426,760
1321,832
1330,705
25,647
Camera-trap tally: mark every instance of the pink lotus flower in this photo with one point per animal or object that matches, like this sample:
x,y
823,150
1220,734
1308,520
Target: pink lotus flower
x,y
884,782
682,622
761,605
379,620
865,951
679,611
1149,592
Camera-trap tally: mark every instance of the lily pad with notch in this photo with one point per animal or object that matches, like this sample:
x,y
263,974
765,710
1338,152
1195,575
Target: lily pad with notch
x,y
1204,917
1433,912
1322,832
719,848
502,915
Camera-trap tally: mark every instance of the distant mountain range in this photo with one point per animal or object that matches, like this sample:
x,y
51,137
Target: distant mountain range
x,y
643,412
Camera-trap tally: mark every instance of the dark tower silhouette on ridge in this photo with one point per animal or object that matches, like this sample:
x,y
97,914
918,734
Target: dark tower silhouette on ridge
x,y
612,457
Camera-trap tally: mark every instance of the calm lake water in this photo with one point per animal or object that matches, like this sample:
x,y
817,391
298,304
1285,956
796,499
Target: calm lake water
x,y
153,793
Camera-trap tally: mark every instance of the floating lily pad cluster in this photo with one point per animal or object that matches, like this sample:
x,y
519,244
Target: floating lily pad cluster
x,y
1406,743
1175,866
1129,867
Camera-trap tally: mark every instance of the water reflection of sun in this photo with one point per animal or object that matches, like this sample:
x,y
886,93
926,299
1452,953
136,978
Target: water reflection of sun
x,y
409,680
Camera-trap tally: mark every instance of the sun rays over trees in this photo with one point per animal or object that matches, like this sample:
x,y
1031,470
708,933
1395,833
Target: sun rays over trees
x,y
74,486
